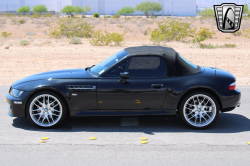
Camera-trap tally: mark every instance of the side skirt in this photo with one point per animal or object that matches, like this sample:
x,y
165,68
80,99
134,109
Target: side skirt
x,y
122,112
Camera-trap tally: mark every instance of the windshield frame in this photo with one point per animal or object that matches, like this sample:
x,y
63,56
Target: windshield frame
x,y
121,54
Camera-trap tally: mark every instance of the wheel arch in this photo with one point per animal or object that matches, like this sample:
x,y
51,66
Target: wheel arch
x,y
212,92
38,90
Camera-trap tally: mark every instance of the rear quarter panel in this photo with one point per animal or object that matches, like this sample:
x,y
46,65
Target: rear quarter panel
x,y
206,79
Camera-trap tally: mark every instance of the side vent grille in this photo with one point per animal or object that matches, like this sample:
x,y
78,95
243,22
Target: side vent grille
x,y
80,87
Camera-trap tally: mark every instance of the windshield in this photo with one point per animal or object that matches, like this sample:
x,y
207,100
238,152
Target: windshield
x,y
107,63
188,62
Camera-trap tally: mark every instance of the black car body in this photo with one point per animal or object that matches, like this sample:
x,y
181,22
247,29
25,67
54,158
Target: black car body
x,y
147,80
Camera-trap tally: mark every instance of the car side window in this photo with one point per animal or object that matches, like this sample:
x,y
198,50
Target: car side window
x,y
117,69
147,67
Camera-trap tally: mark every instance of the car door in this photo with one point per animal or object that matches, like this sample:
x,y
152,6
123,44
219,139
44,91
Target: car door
x,y
144,89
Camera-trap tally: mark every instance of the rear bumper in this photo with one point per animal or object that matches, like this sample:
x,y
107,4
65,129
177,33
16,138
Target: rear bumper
x,y
16,105
230,100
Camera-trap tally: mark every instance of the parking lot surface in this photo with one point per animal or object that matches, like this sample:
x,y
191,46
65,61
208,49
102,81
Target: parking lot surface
x,y
170,141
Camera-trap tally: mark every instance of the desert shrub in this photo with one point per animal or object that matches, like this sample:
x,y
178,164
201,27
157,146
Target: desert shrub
x,y
229,45
128,18
138,17
211,46
6,34
30,34
246,33
203,34
237,33
96,15
201,19
47,23
171,30
49,14
70,27
101,38
36,15
75,40
207,46
22,21
116,16
120,25
15,21
146,32
208,12
24,43
107,16
227,37
9,15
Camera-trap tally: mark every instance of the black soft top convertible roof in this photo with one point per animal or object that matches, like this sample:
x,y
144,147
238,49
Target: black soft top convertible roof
x,y
175,64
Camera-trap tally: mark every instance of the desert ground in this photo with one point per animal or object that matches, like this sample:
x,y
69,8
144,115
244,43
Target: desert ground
x,y
46,54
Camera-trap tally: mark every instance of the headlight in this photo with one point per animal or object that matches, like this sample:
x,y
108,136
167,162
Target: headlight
x,y
15,92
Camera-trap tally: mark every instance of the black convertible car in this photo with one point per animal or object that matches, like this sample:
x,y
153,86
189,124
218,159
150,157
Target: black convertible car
x,y
147,80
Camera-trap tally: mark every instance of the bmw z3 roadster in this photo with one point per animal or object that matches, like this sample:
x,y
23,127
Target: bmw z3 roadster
x,y
146,80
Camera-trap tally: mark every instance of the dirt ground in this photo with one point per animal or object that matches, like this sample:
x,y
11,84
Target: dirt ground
x,y
47,54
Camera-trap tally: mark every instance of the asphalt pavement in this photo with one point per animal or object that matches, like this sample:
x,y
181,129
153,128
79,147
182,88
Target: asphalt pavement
x,y
170,141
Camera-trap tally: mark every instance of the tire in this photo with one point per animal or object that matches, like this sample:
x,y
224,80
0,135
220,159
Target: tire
x,y
44,115
199,109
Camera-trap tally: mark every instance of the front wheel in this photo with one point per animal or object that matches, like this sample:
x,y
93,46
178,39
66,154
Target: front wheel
x,y
46,110
199,110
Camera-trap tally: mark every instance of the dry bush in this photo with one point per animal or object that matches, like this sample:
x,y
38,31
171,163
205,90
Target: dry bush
x,y
101,38
24,43
75,40
171,30
70,27
6,34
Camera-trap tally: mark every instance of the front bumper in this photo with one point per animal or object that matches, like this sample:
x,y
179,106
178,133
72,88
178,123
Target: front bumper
x,y
17,105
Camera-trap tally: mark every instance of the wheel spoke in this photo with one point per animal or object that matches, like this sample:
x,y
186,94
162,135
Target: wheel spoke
x,y
40,117
195,119
190,109
51,117
198,99
52,103
55,114
36,105
55,105
203,100
43,119
39,102
47,117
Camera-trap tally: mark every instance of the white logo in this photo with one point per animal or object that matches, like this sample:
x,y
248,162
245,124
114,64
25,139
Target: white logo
x,y
228,17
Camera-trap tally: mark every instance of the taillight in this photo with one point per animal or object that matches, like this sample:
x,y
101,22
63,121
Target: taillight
x,y
232,86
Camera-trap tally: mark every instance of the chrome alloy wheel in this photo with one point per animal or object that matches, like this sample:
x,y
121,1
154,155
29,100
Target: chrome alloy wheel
x,y
45,110
199,110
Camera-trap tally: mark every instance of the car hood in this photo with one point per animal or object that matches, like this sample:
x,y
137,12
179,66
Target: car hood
x,y
58,74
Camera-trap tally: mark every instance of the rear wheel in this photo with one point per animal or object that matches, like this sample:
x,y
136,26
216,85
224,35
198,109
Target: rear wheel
x,y
46,109
199,110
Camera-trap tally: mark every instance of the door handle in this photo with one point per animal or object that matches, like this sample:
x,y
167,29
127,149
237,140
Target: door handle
x,y
157,85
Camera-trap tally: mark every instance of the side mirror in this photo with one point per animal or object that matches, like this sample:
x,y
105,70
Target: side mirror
x,y
124,76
